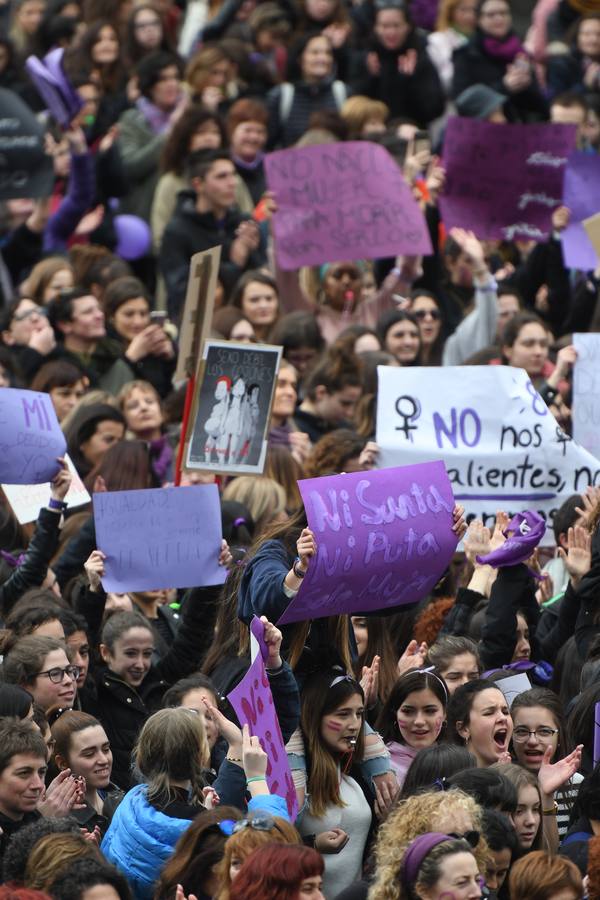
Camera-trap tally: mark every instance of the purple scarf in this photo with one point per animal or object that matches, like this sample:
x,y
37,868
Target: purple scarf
x,y
161,457
249,166
158,120
504,49
523,533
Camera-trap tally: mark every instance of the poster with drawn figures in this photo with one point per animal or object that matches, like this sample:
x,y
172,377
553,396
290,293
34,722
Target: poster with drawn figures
x,y
232,405
502,447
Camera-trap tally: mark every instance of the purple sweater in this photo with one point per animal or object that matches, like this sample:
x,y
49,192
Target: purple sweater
x,y
77,201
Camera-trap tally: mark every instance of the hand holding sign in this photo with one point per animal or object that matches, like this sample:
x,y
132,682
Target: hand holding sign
x,y
31,441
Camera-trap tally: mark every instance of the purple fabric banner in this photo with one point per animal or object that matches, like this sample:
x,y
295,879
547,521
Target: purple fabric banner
x,y
341,202
582,195
160,538
504,181
384,538
30,437
253,703
62,102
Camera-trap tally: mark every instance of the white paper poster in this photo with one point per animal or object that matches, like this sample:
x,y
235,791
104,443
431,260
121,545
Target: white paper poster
x,y
26,500
501,446
586,392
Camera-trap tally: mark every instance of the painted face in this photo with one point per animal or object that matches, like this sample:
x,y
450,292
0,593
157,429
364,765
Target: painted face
x,y
530,349
523,646
106,434
403,341
495,19
21,785
420,718
193,700
132,317
459,879
142,411
79,653
66,397
340,728
428,315
462,668
339,406
260,304
528,817
90,755
286,393
47,692
534,730
131,655
361,633
391,28
490,726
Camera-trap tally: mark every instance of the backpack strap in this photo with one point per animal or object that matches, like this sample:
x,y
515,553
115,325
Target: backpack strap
x,y
340,93
286,98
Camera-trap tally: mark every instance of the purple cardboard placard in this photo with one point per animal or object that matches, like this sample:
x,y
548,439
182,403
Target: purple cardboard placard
x,y
253,703
529,162
581,195
160,538
30,437
341,202
578,252
258,630
383,537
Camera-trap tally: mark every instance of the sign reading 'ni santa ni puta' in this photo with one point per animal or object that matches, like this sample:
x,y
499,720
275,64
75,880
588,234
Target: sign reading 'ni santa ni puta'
x,y
527,161
383,538
502,447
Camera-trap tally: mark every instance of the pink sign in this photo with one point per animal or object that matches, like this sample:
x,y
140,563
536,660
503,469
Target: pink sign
x,y
341,202
253,703
384,538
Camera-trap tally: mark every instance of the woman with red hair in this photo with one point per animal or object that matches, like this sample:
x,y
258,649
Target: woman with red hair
x,y
280,872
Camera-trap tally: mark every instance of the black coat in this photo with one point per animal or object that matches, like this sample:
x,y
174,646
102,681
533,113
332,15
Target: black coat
x,y
474,65
189,232
32,570
565,73
419,96
307,99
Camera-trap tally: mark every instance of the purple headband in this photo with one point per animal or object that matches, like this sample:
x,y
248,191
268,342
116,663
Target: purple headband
x,y
416,853
14,561
239,521
523,534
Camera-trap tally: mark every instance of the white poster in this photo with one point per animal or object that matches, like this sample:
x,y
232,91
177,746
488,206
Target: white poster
x,y
26,500
586,392
500,444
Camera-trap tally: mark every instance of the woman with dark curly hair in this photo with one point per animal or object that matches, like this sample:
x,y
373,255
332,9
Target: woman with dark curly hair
x,y
339,451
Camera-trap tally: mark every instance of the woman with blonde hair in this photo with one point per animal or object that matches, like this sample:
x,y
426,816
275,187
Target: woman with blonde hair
x,y
264,497
140,403
364,117
449,812
53,854
455,24
209,75
47,279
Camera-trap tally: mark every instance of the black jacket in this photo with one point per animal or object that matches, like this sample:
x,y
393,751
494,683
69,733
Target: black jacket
x,y
419,96
588,619
565,73
123,710
88,818
189,232
474,65
307,99
32,570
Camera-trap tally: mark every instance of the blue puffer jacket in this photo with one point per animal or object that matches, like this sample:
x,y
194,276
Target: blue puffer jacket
x,y
140,838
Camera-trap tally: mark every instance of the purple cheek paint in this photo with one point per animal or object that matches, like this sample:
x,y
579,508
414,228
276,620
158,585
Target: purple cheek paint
x,y
333,726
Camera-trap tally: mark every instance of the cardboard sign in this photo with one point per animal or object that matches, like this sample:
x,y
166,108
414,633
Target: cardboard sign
x,y
197,311
26,500
30,438
384,538
342,201
582,195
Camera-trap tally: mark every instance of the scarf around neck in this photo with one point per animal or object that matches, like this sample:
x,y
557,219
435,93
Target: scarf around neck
x,y
161,456
158,120
505,49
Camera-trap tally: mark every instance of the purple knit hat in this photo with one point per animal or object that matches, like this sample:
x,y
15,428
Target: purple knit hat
x,y
416,853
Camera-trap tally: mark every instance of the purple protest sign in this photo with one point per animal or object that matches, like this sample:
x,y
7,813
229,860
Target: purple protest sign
x,y
30,437
581,195
340,202
159,538
504,181
384,538
253,703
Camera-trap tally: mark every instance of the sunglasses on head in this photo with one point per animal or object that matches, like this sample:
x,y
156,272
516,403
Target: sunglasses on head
x,y
258,823
471,837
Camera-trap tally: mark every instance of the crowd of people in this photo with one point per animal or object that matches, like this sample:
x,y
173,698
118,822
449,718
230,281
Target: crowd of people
x,y
124,772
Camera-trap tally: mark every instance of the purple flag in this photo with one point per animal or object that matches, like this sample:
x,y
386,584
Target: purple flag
x,y
253,703
160,538
384,538
523,533
582,195
54,88
30,437
504,181
341,202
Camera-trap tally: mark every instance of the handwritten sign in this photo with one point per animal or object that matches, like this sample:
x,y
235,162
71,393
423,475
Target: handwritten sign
x,y
502,447
253,703
30,437
383,539
586,392
582,195
514,685
340,202
160,538
527,160
26,500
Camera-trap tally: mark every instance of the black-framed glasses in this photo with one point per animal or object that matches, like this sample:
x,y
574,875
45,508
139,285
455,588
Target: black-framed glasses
x,y
543,733
57,674
258,823
28,313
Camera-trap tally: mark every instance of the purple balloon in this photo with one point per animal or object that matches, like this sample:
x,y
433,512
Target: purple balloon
x,y
133,236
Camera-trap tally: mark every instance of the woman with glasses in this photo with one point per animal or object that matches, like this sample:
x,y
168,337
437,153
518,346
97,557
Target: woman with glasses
x,y
25,330
426,309
494,56
539,740
145,33
40,665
